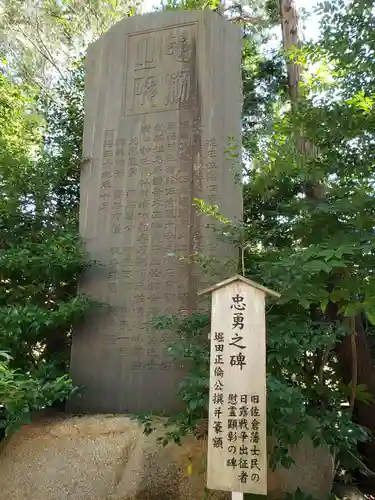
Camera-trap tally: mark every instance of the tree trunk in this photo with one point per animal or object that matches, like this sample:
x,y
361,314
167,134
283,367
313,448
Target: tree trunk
x,y
289,29
364,413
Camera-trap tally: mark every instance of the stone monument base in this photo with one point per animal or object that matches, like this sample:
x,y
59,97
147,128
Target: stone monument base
x,y
109,457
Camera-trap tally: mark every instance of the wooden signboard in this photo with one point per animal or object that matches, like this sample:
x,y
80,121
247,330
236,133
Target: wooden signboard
x,y
237,437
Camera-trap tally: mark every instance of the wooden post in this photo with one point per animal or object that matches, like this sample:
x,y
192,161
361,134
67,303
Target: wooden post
x,y
237,434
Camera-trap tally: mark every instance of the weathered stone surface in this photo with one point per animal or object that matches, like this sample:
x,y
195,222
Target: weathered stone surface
x,y
162,99
313,473
97,458
109,458
349,492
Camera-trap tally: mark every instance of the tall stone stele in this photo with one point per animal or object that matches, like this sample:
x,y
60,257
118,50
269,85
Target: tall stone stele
x,y
162,100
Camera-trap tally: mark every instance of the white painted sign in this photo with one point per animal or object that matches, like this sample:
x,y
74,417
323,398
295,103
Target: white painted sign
x,y
237,437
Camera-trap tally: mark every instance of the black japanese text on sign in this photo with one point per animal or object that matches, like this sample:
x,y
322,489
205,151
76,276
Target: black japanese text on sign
x,y
237,447
238,307
239,435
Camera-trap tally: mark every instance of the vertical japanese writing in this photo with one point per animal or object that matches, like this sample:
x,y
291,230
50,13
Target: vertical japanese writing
x,y
107,170
178,44
255,450
237,340
218,387
211,171
234,415
238,410
117,194
155,223
152,89
238,436
237,431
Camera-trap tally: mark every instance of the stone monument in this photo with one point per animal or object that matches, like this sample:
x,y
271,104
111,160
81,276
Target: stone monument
x,y
162,97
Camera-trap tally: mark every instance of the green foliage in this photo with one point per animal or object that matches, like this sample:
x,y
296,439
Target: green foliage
x,y
19,128
348,42
190,4
312,239
192,349
298,495
63,133
42,39
40,255
299,403
21,394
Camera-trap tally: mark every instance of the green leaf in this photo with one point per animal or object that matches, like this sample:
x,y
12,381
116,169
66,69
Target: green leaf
x,y
323,305
370,316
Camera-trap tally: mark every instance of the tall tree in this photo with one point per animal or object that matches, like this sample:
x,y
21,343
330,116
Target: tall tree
x,y
348,43
309,202
40,259
283,246
42,38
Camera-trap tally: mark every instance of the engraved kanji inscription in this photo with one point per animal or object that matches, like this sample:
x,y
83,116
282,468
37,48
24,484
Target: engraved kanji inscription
x,y
160,76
